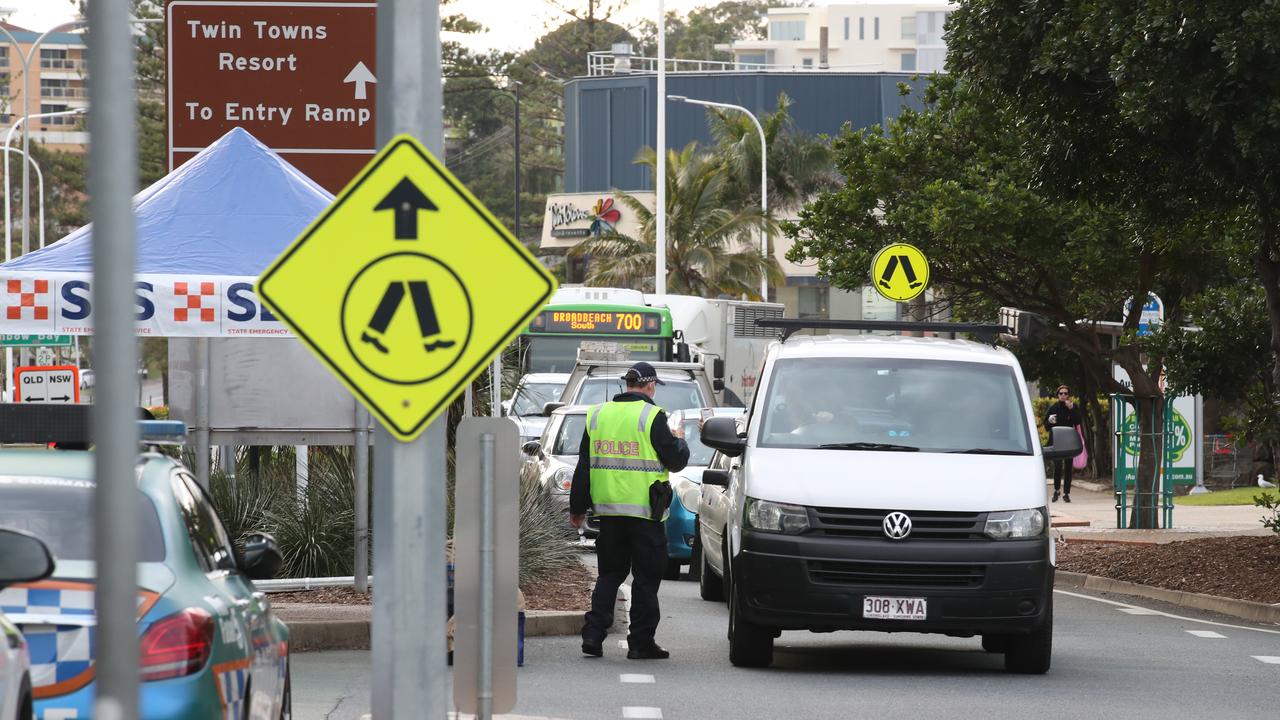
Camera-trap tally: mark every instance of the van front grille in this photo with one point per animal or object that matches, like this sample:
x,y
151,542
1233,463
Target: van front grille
x,y
925,524
866,574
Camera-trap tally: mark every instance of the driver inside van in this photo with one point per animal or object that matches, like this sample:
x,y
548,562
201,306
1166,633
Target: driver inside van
x,y
808,403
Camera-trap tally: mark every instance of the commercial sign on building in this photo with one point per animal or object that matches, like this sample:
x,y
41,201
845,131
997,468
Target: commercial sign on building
x,y
573,217
297,75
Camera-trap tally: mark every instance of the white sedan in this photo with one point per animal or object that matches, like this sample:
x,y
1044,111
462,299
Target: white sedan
x,y
23,558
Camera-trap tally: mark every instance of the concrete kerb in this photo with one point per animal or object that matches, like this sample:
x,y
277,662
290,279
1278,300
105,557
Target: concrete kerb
x,y
1244,609
309,630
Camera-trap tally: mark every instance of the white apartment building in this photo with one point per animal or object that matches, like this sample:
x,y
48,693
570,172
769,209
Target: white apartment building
x,y
871,36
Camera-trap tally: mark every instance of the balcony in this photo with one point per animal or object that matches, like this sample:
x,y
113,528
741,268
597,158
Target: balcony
x,y
66,64
75,93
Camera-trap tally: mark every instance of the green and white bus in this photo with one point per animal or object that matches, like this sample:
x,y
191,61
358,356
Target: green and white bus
x,y
550,343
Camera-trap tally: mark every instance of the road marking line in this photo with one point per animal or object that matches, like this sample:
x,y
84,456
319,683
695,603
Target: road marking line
x,y
1169,615
636,678
1207,634
642,713
1268,659
1138,611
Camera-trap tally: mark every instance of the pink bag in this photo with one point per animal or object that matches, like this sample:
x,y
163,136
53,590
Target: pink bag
x,y
1080,461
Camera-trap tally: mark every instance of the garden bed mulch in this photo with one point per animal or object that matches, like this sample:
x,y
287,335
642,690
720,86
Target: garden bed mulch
x,y
1239,567
567,590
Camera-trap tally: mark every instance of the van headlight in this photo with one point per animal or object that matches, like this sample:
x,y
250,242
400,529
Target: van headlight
x,y
562,480
776,517
687,491
1015,524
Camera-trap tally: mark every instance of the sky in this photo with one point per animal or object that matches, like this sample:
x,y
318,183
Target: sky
x,y
512,24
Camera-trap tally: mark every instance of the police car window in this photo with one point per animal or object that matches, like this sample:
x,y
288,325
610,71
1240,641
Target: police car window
x,y
208,537
532,396
936,406
699,454
58,511
569,438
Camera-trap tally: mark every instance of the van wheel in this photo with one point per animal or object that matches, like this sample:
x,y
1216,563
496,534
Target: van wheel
x,y
26,711
750,645
995,643
1031,654
673,570
709,585
695,557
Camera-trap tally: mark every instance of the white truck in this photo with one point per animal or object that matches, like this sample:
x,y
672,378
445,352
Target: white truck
x,y
722,335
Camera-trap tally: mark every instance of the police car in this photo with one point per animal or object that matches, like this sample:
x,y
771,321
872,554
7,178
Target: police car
x,y
209,644
25,559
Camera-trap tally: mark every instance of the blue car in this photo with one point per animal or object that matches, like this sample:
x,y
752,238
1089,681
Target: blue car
x,y
209,644
686,486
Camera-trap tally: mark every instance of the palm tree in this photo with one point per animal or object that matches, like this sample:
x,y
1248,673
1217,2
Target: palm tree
x,y
707,250
800,165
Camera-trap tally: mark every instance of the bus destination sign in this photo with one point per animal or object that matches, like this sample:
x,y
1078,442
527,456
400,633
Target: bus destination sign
x,y
596,322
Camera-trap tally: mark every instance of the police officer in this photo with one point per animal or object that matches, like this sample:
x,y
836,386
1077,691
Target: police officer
x,y
626,451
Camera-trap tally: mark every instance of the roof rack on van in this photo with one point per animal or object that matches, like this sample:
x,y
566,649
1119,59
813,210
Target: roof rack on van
x,y
987,333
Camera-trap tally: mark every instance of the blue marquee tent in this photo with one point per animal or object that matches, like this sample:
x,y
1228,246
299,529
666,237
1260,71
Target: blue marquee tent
x,y
205,232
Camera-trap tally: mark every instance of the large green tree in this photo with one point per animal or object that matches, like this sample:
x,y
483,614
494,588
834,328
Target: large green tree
x,y
957,181
704,254
1169,104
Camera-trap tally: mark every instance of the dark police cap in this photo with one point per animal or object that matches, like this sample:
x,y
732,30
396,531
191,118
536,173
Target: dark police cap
x,y
641,373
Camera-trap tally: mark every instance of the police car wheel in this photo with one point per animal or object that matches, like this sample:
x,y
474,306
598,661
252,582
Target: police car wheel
x,y
750,645
286,702
26,710
709,585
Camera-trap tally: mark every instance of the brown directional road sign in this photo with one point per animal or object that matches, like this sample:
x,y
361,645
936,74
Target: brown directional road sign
x,y
299,76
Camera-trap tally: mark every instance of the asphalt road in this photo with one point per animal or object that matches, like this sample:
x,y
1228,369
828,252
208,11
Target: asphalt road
x,y
1112,657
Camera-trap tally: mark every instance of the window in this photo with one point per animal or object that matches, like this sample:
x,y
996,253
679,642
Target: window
x,y
909,27
61,119
59,512
530,397
748,59
930,28
4,55
862,28
877,30
928,405
209,538
846,28
814,302
786,30
807,62
675,395
568,439
909,61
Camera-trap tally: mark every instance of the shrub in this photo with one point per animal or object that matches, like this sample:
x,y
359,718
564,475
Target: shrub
x,y
317,537
244,506
1272,503
546,539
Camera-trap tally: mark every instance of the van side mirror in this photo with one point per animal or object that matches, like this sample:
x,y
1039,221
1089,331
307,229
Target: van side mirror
x,y
717,384
722,434
682,352
715,478
262,558
717,368
1065,443
551,407
23,558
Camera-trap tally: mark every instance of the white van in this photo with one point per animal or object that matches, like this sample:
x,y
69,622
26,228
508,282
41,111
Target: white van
x,y
884,483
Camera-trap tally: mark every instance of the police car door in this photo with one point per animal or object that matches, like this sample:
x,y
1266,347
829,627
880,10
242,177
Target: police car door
x,y
243,625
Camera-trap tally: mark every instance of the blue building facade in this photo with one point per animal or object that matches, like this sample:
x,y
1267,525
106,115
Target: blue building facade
x,y
609,118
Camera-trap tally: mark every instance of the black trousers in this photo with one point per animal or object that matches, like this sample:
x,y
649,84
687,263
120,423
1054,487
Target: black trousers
x,y
1062,467
625,546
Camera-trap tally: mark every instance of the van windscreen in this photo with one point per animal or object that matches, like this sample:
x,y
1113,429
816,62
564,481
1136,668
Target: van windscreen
x,y
895,404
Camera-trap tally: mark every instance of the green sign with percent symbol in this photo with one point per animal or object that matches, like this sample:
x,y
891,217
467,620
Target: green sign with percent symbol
x,y
35,341
1180,449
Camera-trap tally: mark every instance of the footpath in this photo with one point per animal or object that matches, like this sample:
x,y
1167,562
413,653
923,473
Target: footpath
x,y
1090,516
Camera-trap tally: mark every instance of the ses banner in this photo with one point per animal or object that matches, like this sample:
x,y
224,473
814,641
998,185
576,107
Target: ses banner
x,y
165,306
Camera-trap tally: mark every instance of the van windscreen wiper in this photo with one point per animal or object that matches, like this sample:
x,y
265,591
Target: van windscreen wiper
x,y
988,451
868,446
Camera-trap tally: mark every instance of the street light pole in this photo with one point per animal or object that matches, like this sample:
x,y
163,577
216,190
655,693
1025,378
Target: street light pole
x,y
660,182
8,140
8,255
764,179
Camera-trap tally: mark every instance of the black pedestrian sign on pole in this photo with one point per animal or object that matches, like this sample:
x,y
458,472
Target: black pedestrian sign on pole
x,y
900,272
406,287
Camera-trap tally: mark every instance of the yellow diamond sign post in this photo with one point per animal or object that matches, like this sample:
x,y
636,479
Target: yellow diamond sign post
x,y
406,287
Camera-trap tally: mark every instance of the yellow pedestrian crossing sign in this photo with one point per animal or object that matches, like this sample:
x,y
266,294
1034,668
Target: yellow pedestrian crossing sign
x,y
406,287
900,272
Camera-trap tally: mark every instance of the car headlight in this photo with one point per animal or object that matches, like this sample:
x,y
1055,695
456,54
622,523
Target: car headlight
x,y
562,480
687,491
1015,524
776,517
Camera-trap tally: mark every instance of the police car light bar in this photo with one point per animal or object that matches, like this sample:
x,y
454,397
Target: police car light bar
x,y
41,424
162,432
986,333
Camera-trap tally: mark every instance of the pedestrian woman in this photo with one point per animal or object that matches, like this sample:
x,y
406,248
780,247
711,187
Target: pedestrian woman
x,y
1062,413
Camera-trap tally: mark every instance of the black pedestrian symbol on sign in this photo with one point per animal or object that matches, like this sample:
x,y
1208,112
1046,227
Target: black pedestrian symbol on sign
x,y
892,267
424,309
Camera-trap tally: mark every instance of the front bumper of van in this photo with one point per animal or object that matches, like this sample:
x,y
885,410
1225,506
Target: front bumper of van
x,y
971,586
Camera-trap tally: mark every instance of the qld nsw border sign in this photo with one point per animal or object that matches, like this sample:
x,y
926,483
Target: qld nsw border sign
x,y
900,272
406,287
